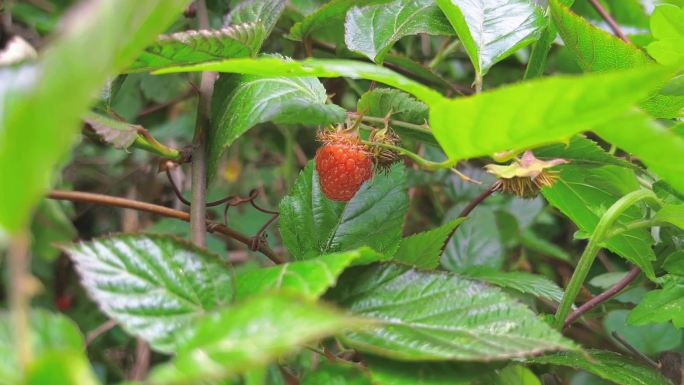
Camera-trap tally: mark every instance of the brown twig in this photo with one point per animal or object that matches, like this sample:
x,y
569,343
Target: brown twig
x,y
609,19
603,297
98,331
80,196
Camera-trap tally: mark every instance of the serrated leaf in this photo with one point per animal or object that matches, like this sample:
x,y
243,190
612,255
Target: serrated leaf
x,y
583,151
524,283
311,224
337,373
249,335
491,30
671,213
310,278
48,333
656,146
667,27
264,12
401,106
504,118
424,249
117,133
662,305
583,193
373,30
420,318
476,242
192,47
243,101
152,285
598,50
326,22
607,365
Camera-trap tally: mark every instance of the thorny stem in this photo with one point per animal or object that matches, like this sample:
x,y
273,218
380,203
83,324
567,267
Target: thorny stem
x,y
20,295
603,297
589,255
79,196
609,19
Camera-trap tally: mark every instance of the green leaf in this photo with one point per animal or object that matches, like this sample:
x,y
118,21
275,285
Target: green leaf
x,y
114,132
382,101
671,213
540,51
42,104
511,375
524,283
424,249
656,146
607,365
674,263
583,194
662,305
48,333
264,12
422,320
327,22
391,372
247,336
674,87
63,368
337,373
476,242
532,241
373,30
504,119
192,47
598,50
310,278
492,30
648,339
667,27
51,225
243,101
311,224
582,151
152,285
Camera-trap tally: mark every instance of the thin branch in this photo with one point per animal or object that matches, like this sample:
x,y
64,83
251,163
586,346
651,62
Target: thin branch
x,y
79,196
100,330
469,208
634,350
609,19
603,297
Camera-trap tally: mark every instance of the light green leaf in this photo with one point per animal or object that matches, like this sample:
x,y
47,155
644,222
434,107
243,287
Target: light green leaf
x,y
476,242
656,146
667,27
491,30
662,305
674,263
583,151
311,224
152,285
532,241
373,30
48,333
422,320
264,12
42,104
424,249
337,373
192,47
540,51
672,213
63,368
379,102
249,335
524,283
607,365
327,22
243,101
505,119
391,372
649,339
584,193
511,375
310,278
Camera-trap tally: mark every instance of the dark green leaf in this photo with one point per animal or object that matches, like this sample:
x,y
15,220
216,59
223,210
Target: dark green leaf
x,y
476,242
310,278
311,224
265,12
532,241
581,150
51,225
662,305
525,283
492,30
382,101
607,365
373,30
327,22
671,213
649,339
391,372
337,373
667,27
192,47
249,335
424,249
584,193
674,263
152,285
511,375
421,319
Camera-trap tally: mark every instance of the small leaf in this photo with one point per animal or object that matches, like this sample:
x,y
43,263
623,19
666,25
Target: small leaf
x,y
667,27
422,320
583,193
337,373
401,106
152,285
532,241
662,305
264,12
373,30
63,368
117,133
524,283
491,30
583,151
310,278
249,335
607,365
671,213
311,224
649,339
674,263
192,47
327,22
424,249
476,242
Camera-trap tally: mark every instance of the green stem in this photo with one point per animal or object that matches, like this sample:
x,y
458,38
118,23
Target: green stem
x,y
409,126
442,54
420,161
600,234
638,224
150,144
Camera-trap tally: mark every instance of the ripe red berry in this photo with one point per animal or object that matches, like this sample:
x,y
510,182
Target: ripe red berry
x,y
343,164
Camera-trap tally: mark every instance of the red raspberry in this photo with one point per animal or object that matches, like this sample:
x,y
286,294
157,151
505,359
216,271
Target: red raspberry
x,y
343,164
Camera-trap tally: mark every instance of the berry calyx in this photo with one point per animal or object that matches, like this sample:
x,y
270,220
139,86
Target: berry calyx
x,y
343,163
